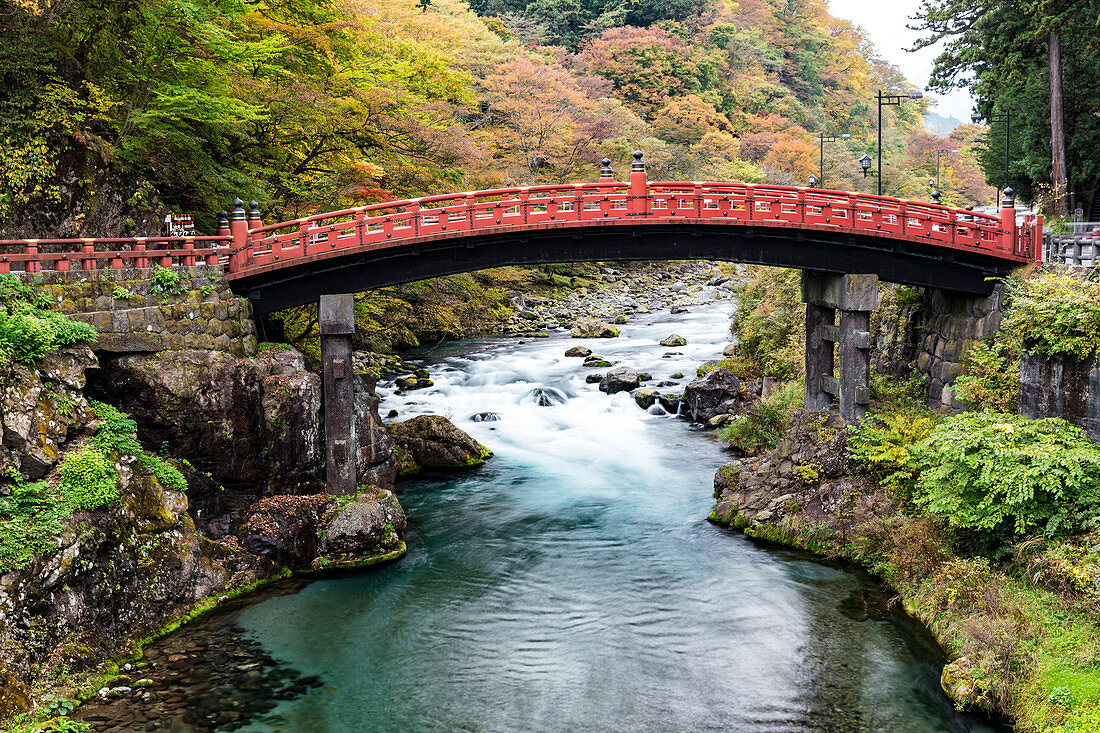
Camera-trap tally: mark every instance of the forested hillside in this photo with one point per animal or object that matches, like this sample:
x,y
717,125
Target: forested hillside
x,y
112,114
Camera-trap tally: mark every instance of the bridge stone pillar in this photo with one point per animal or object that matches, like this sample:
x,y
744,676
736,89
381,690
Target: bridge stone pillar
x,y
337,324
855,296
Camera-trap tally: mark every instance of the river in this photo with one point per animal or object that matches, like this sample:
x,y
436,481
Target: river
x,y
573,584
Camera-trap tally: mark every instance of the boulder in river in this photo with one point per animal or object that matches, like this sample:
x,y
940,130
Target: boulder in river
x,y
670,402
729,349
596,362
579,351
593,328
368,524
620,379
645,397
484,417
674,340
712,395
593,378
433,443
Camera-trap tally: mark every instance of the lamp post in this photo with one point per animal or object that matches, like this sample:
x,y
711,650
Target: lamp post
x,y
812,182
939,151
1005,117
888,99
822,139
865,164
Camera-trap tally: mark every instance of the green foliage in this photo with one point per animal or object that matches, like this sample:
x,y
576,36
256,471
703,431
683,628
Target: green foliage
x,y
118,432
1054,314
167,475
269,346
760,429
88,480
121,293
29,522
30,516
1000,51
28,329
167,282
884,443
1005,476
990,379
769,325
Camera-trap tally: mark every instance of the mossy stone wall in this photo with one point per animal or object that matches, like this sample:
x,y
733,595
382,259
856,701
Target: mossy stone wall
x,y
131,315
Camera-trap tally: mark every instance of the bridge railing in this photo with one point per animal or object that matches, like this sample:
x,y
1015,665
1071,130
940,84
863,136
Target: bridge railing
x,y
387,224
246,246
36,255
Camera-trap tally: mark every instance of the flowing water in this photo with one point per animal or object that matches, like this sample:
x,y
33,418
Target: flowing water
x,y
573,584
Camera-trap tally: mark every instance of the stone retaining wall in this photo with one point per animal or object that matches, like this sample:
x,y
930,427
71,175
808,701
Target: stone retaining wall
x,y
1062,387
131,315
950,324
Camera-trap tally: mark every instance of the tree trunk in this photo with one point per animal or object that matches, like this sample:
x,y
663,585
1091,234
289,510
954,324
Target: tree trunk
x,y
1057,129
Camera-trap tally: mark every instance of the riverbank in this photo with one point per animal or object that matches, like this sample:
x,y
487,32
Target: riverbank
x,y
1021,632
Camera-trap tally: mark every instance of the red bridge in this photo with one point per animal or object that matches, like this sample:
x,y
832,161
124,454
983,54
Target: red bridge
x,y
294,262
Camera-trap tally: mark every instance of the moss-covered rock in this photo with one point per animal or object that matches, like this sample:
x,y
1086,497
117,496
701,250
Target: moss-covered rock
x,y
593,328
433,443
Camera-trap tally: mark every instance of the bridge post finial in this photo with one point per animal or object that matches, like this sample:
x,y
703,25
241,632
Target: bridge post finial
x,y
637,197
238,228
605,171
936,197
254,221
1008,221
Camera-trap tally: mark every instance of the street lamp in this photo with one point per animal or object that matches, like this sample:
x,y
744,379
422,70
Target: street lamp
x,y
812,182
822,139
1005,117
936,182
865,164
889,99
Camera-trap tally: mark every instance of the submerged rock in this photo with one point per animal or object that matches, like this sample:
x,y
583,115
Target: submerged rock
x,y
484,417
433,443
674,340
712,395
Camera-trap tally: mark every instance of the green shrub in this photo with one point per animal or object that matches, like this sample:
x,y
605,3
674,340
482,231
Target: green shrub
x,y
167,475
1054,314
761,428
166,280
88,480
29,329
1005,476
990,378
884,445
29,522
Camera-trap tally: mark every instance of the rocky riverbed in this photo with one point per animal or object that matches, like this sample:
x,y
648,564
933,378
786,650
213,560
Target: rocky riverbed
x,y
629,289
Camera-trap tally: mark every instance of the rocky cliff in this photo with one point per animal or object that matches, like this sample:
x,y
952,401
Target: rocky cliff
x,y
157,548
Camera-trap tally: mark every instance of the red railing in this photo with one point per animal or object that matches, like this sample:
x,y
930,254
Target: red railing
x,y
36,255
248,248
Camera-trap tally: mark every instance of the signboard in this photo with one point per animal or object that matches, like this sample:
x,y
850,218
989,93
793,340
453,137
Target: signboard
x,y
179,225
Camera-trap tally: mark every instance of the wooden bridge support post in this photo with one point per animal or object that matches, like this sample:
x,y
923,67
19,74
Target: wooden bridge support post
x,y
855,296
337,324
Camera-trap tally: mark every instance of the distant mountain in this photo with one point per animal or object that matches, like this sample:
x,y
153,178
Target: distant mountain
x,y
941,125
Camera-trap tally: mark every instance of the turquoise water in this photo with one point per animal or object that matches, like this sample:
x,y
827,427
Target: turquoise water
x,y
572,584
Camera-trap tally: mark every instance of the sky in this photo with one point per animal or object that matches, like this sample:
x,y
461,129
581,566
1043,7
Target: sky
x,y
884,23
